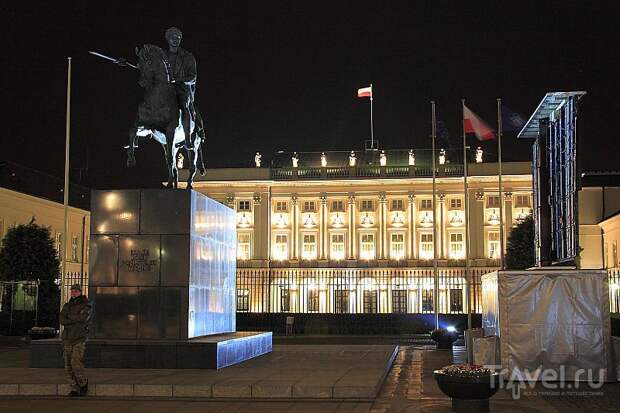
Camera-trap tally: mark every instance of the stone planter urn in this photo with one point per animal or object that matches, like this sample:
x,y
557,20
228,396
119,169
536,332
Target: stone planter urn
x,y
443,338
469,386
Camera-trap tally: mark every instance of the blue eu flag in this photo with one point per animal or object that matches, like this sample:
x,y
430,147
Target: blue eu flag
x,y
511,121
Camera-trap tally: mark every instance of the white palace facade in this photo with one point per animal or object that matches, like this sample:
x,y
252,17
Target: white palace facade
x,y
359,239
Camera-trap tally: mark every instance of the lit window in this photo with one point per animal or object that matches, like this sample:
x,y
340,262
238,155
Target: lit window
x,y
368,247
493,245
457,250
456,300
426,204
309,247
455,203
341,301
370,301
522,201
493,201
427,300
74,248
281,247
309,206
285,300
243,206
399,301
397,205
243,246
58,244
397,249
337,247
313,299
426,246
281,206
337,206
367,205
243,300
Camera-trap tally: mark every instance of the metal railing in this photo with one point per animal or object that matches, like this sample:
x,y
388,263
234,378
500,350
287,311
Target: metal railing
x,y
357,290
614,290
71,278
365,171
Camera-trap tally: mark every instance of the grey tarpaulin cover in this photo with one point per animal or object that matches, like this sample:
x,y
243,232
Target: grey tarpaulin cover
x,y
548,318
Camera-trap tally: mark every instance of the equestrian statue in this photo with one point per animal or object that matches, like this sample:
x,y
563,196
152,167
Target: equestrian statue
x,y
168,110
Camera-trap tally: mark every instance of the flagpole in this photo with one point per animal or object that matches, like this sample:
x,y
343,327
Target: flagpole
x,y
467,233
501,197
435,275
372,132
64,237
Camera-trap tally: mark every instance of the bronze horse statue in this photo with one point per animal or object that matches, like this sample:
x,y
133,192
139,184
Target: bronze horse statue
x,y
159,116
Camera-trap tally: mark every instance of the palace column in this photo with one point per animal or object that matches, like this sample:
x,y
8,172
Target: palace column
x,y
411,221
258,243
294,226
351,236
476,226
507,217
323,227
383,242
442,226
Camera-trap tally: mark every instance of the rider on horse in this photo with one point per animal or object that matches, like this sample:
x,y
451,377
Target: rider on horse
x,y
183,74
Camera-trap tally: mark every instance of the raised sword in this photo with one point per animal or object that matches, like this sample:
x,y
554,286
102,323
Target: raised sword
x,y
111,59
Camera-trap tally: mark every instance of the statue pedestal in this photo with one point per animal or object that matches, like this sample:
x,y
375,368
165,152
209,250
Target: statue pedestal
x,y
162,281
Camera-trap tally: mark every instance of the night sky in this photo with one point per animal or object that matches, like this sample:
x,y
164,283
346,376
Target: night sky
x,y
284,75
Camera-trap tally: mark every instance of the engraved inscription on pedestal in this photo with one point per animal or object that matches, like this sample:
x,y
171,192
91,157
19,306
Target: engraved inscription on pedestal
x,y
139,260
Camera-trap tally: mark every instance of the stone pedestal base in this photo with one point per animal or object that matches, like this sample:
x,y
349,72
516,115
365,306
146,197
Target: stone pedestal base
x,y
208,352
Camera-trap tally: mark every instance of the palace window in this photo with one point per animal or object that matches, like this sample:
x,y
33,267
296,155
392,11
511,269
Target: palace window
x,y
367,205
337,206
58,244
313,300
456,203
341,301
243,246
285,300
427,300
426,246
493,201
426,204
243,300
493,245
309,206
281,247
74,248
522,201
367,247
399,301
243,206
370,301
397,205
397,249
281,206
337,247
309,247
456,300
457,248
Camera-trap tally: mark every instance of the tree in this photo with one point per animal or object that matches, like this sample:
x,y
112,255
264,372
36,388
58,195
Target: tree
x,y
28,254
520,252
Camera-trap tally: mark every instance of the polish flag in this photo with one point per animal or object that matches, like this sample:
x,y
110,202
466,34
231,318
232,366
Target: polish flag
x,y
365,92
473,124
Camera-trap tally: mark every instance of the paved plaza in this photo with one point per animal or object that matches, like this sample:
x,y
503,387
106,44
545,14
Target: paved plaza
x,y
408,387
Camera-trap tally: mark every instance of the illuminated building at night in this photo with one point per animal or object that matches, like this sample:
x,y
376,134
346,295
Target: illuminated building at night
x,y
357,237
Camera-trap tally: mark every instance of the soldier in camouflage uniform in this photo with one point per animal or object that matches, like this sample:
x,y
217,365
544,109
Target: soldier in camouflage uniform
x,y
75,318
